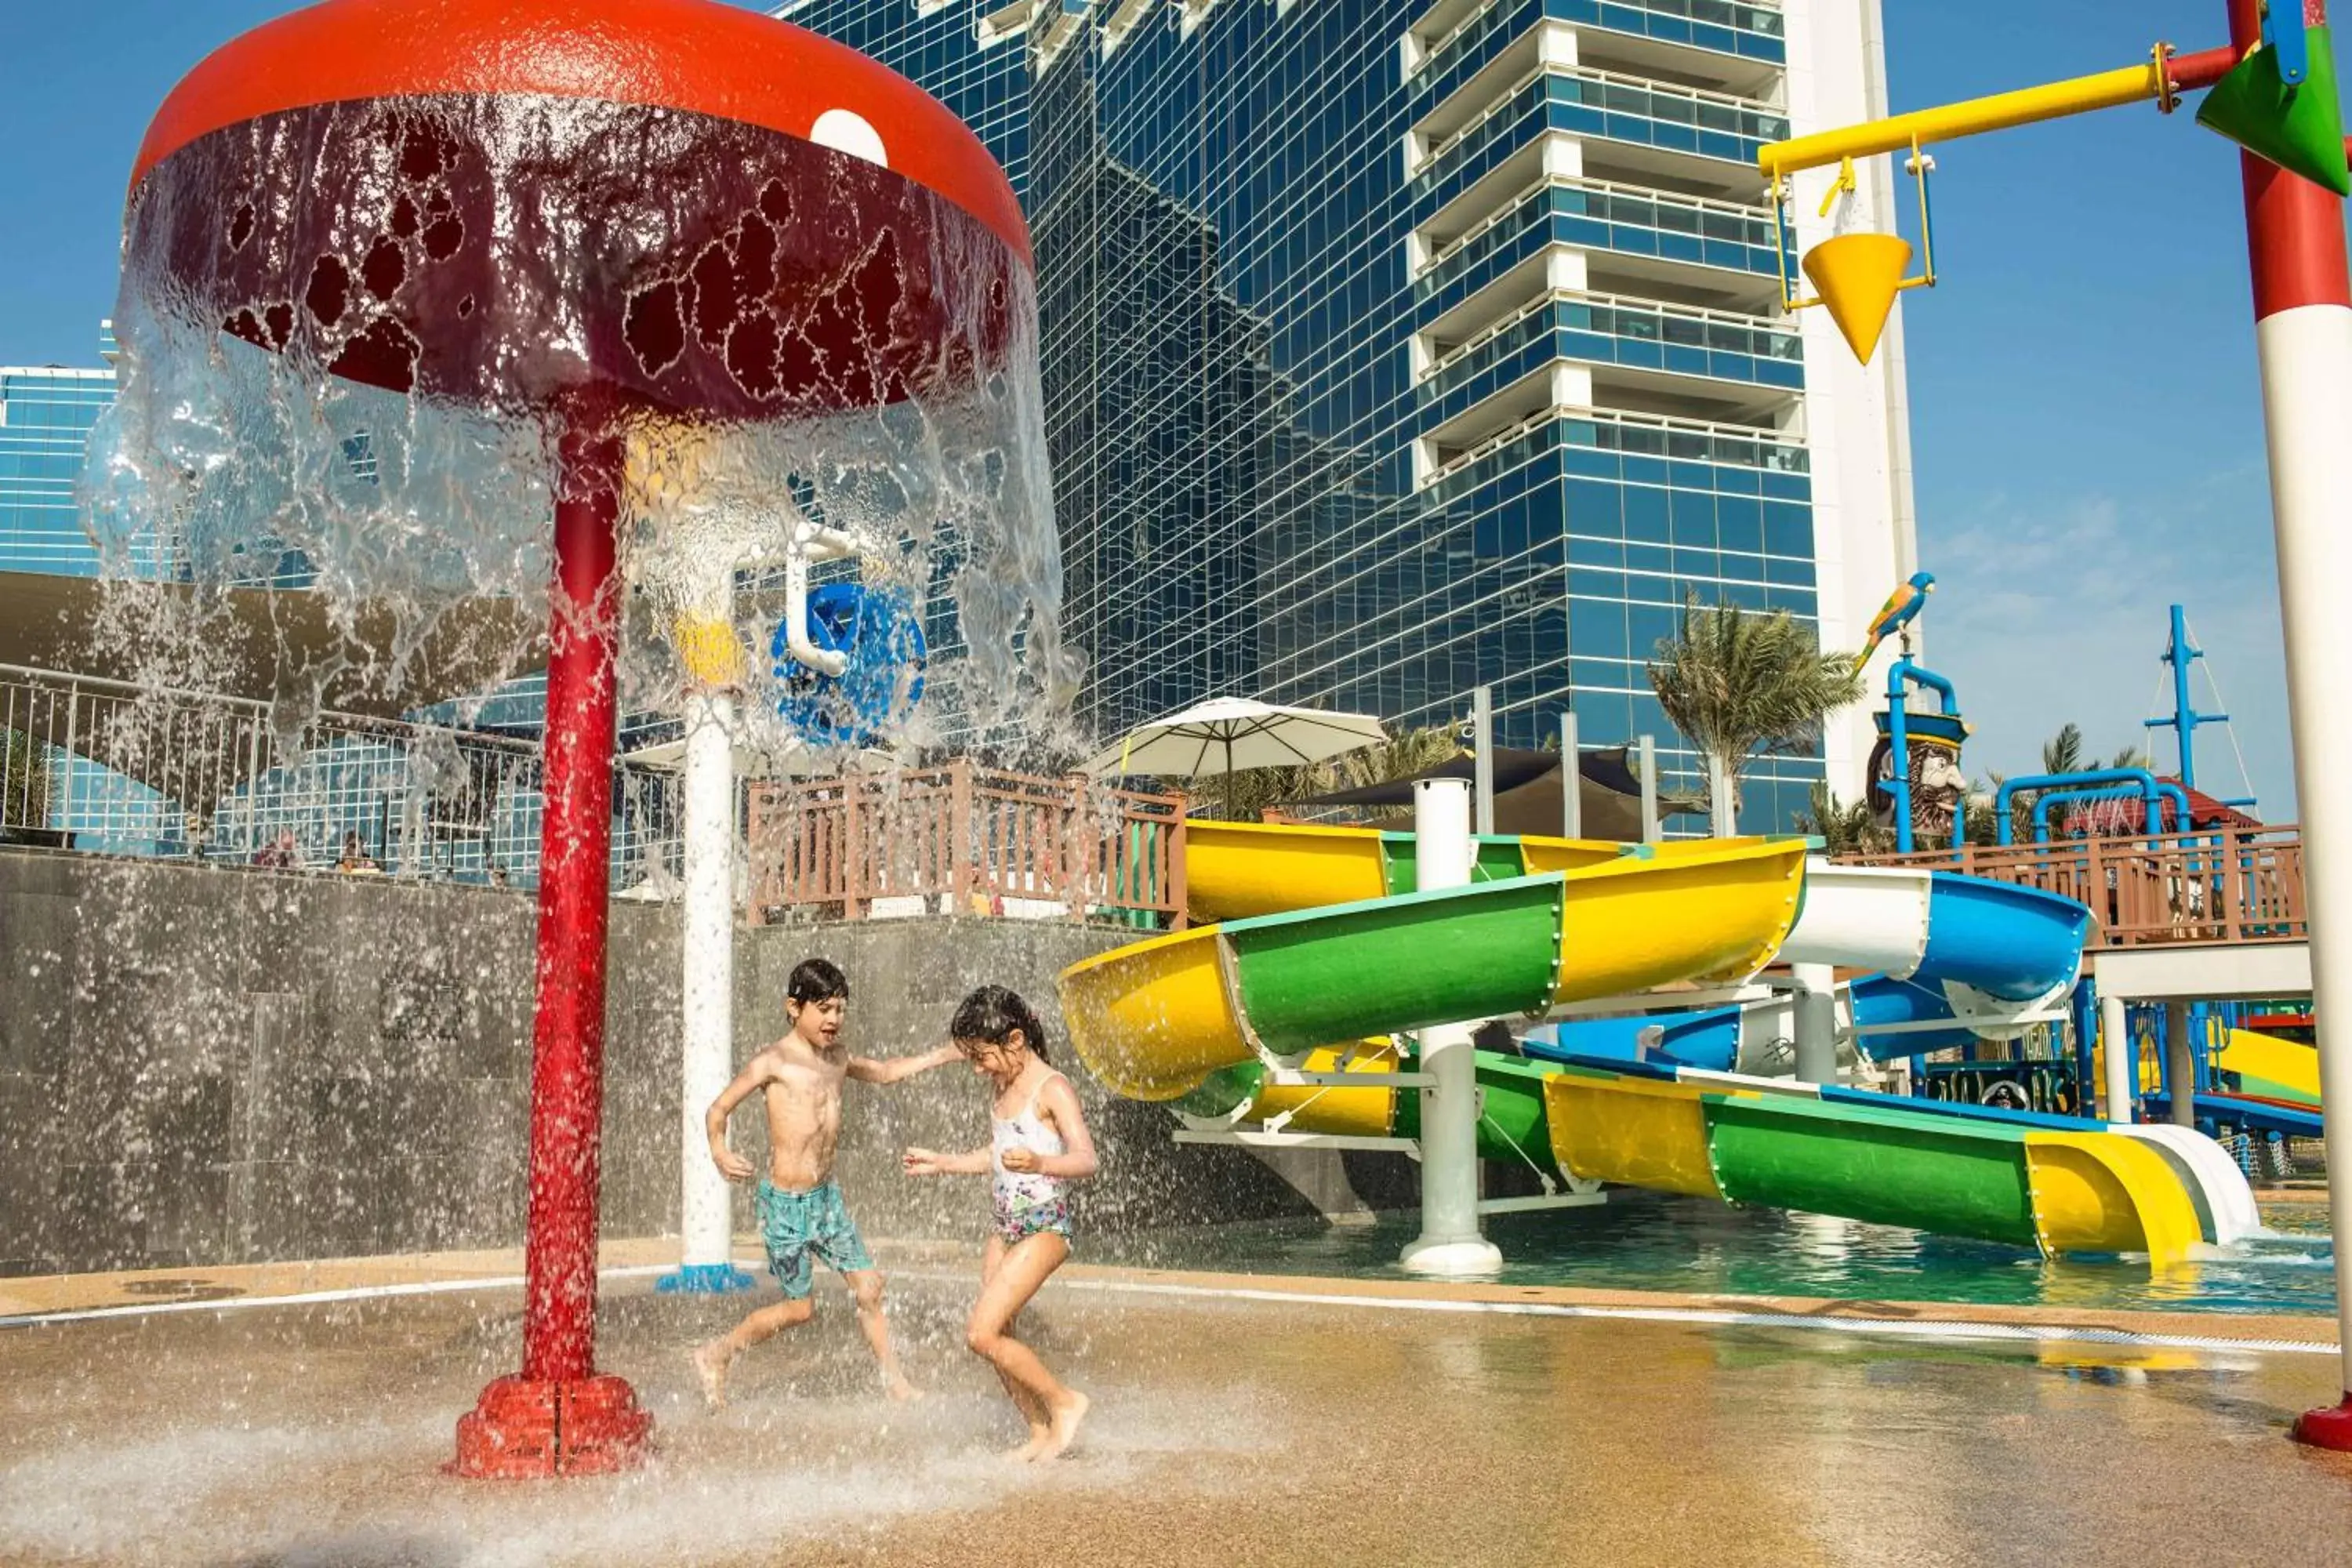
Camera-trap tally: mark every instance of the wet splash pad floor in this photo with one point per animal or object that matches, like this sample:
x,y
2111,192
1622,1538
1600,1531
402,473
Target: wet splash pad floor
x,y
1237,1420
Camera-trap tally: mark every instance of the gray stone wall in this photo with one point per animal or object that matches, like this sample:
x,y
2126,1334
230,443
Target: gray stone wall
x,y
905,980
216,1064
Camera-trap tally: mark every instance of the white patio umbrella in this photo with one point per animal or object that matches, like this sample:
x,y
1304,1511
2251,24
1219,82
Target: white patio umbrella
x,y
1226,733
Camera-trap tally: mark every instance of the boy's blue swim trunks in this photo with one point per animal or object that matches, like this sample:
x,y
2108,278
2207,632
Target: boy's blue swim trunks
x,y
799,1227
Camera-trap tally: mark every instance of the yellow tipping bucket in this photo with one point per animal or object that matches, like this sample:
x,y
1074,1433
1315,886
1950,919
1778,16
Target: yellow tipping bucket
x,y
1857,276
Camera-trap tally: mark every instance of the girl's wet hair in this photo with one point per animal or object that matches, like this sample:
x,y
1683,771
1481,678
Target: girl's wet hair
x,y
992,1014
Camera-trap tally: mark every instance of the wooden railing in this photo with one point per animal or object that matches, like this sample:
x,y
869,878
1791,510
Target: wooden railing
x,y
2234,885
961,839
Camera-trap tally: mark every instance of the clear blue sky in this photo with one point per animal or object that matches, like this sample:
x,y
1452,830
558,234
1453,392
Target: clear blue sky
x,y
2087,426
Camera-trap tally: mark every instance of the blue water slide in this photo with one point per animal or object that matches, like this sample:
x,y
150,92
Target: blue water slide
x,y
1969,953
2000,942
2250,1115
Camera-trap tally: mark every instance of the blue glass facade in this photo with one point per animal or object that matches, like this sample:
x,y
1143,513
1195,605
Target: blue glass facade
x,y
979,71
1392,351
45,416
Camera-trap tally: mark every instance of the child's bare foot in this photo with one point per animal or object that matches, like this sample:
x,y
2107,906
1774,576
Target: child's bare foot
x,y
710,1370
901,1392
1065,1429
1038,1437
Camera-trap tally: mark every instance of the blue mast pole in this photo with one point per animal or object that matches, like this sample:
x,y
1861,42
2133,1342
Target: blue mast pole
x,y
2180,654
2184,717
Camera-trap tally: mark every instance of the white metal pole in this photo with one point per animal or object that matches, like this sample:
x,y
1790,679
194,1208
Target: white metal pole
x,y
1451,1243
1722,820
2303,335
2120,1058
1482,751
1815,1014
1572,779
709,974
1646,766
706,943
2306,365
2179,1064
413,860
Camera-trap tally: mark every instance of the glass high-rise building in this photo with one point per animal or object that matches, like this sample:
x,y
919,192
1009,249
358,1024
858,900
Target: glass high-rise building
x,y
1394,349
46,412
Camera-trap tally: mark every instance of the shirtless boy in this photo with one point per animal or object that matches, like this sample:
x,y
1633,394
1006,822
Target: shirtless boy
x,y
802,1217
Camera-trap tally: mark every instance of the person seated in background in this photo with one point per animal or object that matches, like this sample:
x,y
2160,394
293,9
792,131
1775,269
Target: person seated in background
x,y
356,856
280,853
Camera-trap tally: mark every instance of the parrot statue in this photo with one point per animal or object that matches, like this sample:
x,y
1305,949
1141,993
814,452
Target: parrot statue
x,y
1901,608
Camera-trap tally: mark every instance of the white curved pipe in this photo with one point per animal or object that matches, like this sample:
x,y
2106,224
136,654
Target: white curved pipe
x,y
810,541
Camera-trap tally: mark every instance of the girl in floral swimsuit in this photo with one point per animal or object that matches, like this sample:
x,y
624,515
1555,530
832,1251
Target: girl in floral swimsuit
x,y
1040,1145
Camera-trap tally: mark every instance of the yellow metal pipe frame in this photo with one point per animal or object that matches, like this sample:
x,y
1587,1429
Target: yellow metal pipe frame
x,y
2150,80
1919,166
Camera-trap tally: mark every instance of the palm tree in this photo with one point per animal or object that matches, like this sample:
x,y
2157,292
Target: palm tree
x,y
1403,755
1254,791
1845,827
1740,685
1247,793
2063,753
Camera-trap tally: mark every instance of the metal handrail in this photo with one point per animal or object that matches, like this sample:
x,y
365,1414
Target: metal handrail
x,y
1518,203
1507,102
1660,308
1611,416
1485,13
103,766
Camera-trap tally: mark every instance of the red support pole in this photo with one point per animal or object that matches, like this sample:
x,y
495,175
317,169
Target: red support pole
x,y
558,1417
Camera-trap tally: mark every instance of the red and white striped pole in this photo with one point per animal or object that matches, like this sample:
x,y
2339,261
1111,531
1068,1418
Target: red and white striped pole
x,y
2303,329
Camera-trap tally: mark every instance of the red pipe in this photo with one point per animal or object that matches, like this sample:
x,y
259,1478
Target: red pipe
x,y
2194,73
558,1417
575,840
2295,229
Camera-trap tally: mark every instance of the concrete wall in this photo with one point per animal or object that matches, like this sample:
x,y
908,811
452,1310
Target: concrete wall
x,y
213,1064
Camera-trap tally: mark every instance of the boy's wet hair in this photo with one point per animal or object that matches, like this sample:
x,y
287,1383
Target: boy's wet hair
x,y
817,980
992,1014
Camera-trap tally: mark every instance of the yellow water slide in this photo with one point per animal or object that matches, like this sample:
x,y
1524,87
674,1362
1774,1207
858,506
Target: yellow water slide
x,y
1323,939
1361,952
2270,1067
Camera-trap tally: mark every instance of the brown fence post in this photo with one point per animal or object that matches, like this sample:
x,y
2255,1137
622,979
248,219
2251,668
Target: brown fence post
x,y
850,858
1078,846
2236,881
959,835
2095,875
1172,844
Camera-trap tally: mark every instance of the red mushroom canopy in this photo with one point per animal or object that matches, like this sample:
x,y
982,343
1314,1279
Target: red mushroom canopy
x,y
677,204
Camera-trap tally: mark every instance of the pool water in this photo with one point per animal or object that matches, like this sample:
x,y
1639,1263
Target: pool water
x,y
1646,1241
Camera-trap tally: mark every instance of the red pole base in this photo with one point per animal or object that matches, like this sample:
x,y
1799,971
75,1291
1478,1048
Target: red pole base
x,y
2329,1427
525,1429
